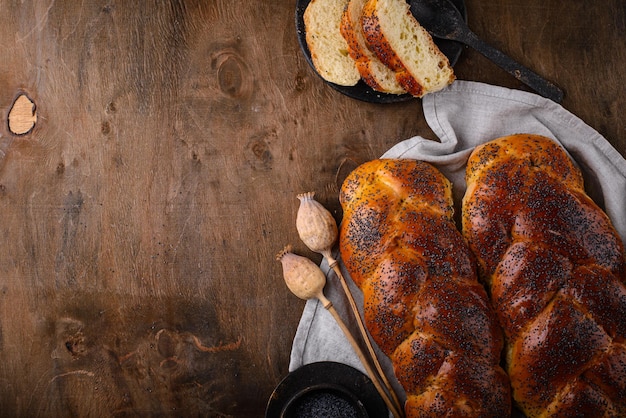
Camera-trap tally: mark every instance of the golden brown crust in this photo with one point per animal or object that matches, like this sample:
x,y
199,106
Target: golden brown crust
x,y
403,45
380,46
355,50
373,71
423,304
376,38
555,268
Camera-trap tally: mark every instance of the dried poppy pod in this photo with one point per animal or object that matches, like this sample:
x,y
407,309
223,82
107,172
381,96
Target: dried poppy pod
x,y
318,230
303,277
316,226
306,280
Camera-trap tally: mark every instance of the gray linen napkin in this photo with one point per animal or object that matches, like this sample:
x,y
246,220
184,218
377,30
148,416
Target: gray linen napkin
x,y
464,115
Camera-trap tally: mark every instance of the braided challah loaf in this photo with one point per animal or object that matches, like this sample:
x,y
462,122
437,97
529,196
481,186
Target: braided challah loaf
x,y
423,304
555,269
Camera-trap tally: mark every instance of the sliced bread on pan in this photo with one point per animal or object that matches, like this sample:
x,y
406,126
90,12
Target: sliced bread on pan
x,y
402,44
373,72
329,50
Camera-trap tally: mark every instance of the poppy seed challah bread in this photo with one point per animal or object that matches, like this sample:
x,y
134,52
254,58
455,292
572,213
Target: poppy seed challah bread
x,y
328,48
373,72
423,305
402,44
555,268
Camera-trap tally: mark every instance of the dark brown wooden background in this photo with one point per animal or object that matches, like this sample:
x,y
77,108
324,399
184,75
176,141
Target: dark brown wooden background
x,y
141,216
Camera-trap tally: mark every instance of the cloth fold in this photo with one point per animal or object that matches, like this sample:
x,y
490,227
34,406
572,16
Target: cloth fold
x,y
463,116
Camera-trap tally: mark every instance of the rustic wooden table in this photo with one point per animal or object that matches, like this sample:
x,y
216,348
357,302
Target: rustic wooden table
x,y
142,212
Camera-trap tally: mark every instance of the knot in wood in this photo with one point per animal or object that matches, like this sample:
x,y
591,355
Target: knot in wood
x,y
22,116
233,77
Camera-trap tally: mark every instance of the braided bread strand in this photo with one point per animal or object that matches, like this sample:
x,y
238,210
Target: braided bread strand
x,y
423,304
555,269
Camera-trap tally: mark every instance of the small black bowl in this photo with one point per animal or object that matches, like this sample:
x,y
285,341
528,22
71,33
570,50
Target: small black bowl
x,y
326,389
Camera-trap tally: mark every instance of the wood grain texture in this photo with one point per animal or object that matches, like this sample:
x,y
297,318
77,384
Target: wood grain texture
x,y
142,213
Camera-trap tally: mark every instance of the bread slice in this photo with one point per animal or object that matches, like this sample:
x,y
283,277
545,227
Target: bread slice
x,y
329,50
373,72
400,42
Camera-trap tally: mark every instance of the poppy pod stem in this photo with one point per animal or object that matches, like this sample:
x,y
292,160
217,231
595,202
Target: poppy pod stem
x,y
318,230
306,280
